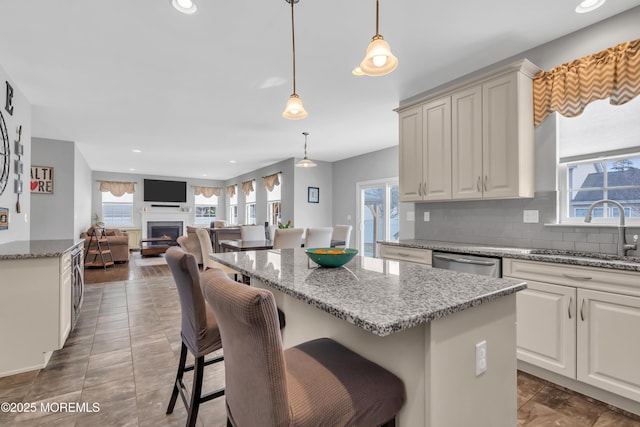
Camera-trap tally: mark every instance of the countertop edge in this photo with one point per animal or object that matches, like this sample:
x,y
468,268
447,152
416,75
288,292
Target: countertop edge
x,y
56,248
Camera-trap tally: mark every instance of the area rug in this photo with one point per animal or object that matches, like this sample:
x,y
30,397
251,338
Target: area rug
x,y
149,261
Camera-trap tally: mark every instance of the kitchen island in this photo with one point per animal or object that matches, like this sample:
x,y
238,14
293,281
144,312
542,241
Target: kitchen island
x,y
422,324
40,295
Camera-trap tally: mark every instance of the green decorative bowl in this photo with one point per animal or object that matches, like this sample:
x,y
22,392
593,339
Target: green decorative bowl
x,y
322,256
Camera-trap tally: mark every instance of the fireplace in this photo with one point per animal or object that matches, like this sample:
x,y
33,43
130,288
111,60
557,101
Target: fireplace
x,y
171,229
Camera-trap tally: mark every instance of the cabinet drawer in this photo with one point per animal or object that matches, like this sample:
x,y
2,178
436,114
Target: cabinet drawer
x,y
420,256
601,279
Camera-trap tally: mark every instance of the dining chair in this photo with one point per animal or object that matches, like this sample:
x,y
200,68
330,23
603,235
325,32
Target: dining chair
x,y
318,237
199,332
342,233
252,232
285,238
316,383
207,249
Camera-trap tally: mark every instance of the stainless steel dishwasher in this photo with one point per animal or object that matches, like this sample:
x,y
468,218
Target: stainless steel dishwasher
x,y
485,266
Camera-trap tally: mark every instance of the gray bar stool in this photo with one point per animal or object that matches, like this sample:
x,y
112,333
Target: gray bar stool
x,y
199,331
316,383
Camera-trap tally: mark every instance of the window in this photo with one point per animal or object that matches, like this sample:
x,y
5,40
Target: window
x,y
206,208
600,159
378,214
117,211
617,179
250,205
233,207
274,205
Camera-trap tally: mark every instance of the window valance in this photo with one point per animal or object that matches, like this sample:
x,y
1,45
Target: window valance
x,y
117,188
231,190
271,181
247,187
613,73
207,191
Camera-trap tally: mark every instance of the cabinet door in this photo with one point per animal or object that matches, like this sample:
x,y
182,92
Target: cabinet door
x,y
466,143
64,327
609,342
436,155
410,173
500,137
546,327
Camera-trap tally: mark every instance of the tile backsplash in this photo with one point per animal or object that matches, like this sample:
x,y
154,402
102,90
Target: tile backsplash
x,y
500,223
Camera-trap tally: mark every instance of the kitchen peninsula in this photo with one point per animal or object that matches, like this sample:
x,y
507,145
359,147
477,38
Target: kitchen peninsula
x,y
40,295
422,324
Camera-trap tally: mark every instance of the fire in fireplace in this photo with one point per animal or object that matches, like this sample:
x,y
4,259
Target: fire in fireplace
x,y
166,229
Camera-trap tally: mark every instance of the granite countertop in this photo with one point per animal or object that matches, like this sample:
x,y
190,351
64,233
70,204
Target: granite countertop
x,y
24,249
379,296
586,259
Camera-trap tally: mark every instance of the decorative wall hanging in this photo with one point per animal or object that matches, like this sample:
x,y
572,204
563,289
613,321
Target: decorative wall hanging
x,y
41,180
313,195
5,154
4,218
18,168
9,103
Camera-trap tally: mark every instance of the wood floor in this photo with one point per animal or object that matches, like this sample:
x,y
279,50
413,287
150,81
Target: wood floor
x,y
124,350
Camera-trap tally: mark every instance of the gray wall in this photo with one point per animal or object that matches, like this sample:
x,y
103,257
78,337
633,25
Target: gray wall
x,y
19,228
500,222
52,215
371,166
82,194
314,214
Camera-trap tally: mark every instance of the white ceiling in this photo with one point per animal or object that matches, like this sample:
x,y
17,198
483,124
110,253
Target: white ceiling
x,y
194,92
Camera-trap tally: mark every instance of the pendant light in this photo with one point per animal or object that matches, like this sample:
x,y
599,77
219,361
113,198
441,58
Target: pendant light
x,y
188,7
378,60
294,109
305,163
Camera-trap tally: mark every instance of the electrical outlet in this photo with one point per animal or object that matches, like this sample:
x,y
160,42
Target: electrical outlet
x,y
427,216
531,217
348,217
481,358
411,216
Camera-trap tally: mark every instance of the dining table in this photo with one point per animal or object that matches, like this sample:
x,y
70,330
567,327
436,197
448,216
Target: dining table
x,y
239,245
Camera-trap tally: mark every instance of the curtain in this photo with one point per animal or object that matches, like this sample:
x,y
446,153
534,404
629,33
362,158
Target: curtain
x,y
117,188
231,190
207,191
271,181
247,187
613,73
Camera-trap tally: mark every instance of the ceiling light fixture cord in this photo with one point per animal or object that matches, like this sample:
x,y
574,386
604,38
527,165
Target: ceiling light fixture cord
x,y
293,45
377,9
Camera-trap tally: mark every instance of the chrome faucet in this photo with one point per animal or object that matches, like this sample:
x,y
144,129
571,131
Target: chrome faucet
x,y
623,247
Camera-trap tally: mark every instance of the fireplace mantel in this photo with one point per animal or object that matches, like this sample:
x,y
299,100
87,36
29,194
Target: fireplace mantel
x,y
164,215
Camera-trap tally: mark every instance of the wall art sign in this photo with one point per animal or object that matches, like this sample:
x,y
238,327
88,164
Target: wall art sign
x,y
4,219
41,180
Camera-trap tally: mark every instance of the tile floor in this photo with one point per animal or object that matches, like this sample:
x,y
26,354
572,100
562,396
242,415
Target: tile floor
x,y
124,352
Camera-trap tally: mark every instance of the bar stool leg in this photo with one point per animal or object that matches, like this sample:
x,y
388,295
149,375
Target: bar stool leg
x,y
198,372
178,381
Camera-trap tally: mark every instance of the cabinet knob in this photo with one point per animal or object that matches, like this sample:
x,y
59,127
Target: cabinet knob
x,y
486,178
419,189
478,184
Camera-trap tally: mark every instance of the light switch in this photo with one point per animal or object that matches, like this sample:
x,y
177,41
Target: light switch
x,y
530,217
411,216
348,217
427,216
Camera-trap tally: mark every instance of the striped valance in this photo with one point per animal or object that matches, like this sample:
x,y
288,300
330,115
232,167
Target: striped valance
x,y
117,188
613,73
207,191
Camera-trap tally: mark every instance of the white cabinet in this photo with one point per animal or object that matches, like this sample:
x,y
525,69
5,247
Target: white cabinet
x,y
580,322
476,140
400,253
546,327
65,298
608,343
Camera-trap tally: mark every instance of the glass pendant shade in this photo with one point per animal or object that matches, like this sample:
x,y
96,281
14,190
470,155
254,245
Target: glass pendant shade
x,y
378,60
294,109
187,7
305,163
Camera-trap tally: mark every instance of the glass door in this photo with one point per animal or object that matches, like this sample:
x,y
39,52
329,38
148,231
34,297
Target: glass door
x,y
378,217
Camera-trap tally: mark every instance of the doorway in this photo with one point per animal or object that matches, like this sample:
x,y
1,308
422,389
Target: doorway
x,y
378,216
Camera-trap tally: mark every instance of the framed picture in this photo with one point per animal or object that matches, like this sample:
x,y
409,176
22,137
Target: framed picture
x,y
313,195
4,219
41,180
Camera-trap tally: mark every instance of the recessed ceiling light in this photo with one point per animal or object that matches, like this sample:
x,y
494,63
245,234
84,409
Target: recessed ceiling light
x,y
589,5
137,151
187,7
204,174
233,161
131,169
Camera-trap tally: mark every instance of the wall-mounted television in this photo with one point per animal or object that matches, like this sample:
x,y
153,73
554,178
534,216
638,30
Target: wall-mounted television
x,y
156,190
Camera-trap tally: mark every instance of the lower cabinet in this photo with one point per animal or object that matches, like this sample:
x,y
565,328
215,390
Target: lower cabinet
x,y
580,331
400,253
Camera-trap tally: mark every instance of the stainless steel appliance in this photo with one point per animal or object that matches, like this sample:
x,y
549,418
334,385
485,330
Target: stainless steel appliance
x,y
485,266
77,284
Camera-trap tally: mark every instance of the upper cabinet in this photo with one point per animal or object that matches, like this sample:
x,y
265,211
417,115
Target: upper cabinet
x,y
473,140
